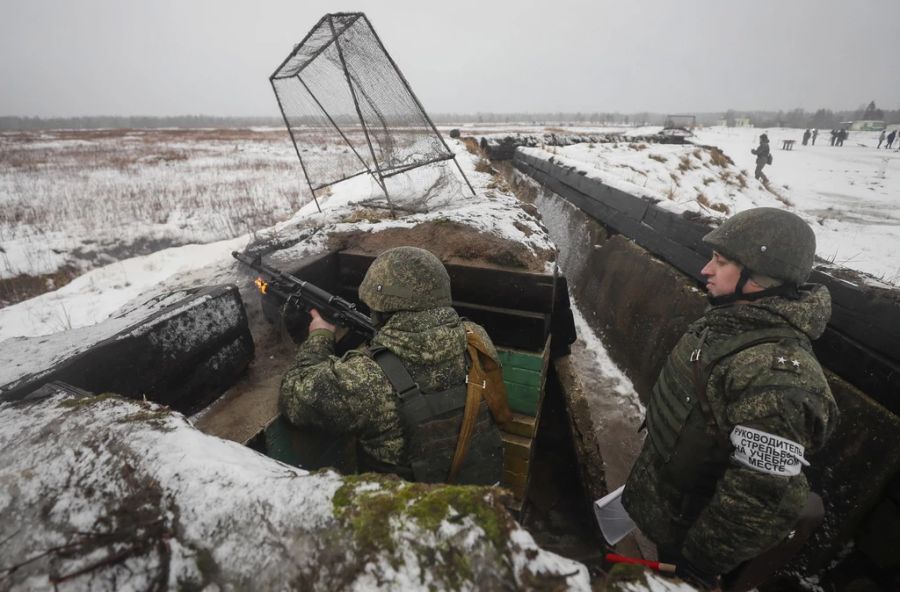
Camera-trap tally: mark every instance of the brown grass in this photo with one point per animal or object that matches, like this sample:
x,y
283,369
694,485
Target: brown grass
x,y
657,157
471,145
719,207
719,158
483,165
684,165
22,287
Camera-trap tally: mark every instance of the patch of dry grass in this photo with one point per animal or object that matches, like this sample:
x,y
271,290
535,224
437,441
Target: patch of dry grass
x,y
719,158
483,165
704,201
657,157
685,164
471,145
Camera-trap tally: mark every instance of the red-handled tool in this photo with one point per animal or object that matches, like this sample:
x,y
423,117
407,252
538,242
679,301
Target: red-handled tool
x,y
661,567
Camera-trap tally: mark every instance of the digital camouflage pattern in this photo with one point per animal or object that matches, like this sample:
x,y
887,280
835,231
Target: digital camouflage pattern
x,y
352,395
405,278
685,491
769,241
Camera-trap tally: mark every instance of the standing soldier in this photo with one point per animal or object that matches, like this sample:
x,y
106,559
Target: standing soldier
x,y
881,139
738,406
815,134
806,136
763,157
405,397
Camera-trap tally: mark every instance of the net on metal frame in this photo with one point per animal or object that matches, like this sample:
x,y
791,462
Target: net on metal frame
x,y
348,108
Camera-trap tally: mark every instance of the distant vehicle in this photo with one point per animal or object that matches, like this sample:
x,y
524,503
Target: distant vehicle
x,y
679,127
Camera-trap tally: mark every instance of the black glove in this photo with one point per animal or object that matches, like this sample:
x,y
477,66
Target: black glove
x,y
686,570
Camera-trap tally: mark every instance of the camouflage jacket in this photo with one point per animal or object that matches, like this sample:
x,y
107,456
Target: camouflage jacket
x,y
696,490
352,395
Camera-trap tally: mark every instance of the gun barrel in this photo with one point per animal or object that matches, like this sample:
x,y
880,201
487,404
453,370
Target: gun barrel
x,y
297,291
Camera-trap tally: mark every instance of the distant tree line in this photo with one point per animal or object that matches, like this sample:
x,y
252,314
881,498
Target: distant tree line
x,y
821,118
560,117
138,122
798,118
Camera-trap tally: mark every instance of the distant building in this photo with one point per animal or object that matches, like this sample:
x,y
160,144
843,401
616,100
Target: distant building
x,y
867,125
737,122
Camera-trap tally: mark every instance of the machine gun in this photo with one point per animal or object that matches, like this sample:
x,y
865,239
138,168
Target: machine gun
x,y
295,292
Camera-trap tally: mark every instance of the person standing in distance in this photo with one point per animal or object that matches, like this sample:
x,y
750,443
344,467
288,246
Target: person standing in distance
x,y
763,157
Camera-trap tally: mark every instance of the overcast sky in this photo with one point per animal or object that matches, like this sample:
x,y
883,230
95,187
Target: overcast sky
x,y
168,57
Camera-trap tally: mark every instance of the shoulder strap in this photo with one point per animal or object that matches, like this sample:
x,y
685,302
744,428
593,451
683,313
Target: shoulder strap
x,y
489,374
396,372
484,381
415,407
702,365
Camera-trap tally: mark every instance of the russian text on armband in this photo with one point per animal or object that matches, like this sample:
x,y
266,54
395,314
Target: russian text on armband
x,y
766,452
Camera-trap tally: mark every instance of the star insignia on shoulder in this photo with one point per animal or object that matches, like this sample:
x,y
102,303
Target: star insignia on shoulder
x,y
781,360
795,363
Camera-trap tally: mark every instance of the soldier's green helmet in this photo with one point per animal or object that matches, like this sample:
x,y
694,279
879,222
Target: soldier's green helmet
x,y
767,241
405,278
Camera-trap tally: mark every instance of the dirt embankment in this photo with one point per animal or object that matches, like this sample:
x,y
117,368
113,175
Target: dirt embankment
x,y
452,242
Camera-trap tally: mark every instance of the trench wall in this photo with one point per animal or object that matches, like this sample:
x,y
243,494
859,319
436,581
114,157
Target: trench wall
x,y
640,304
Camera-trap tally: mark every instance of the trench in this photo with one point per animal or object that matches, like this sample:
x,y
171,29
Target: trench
x,y
525,315
585,444
640,305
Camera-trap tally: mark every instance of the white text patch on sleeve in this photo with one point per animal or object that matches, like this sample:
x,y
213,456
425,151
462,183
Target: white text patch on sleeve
x,y
766,452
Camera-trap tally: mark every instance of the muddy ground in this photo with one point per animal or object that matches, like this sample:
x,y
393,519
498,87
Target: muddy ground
x,y
451,241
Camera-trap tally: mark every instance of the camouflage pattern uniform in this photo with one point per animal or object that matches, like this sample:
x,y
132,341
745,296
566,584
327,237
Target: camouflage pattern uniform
x,y
408,290
686,491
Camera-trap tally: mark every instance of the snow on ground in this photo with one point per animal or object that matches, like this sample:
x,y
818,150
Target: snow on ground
x,y
92,297
844,192
434,193
850,194
847,194
110,494
87,198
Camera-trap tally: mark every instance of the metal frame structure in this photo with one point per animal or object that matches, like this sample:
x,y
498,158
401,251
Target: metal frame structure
x,y
380,173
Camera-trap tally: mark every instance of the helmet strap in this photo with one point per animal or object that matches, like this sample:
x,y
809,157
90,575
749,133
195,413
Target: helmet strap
x,y
786,290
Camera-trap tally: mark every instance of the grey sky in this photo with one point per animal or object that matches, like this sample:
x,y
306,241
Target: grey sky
x,y
167,57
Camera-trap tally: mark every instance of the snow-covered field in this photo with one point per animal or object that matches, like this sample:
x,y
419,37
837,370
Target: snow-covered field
x,y
435,193
84,198
850,194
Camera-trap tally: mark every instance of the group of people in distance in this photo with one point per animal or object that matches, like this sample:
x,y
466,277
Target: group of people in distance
x,y
890,137
764,155
839,135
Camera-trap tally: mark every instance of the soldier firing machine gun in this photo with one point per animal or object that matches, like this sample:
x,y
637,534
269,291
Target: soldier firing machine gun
x,y
294,292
